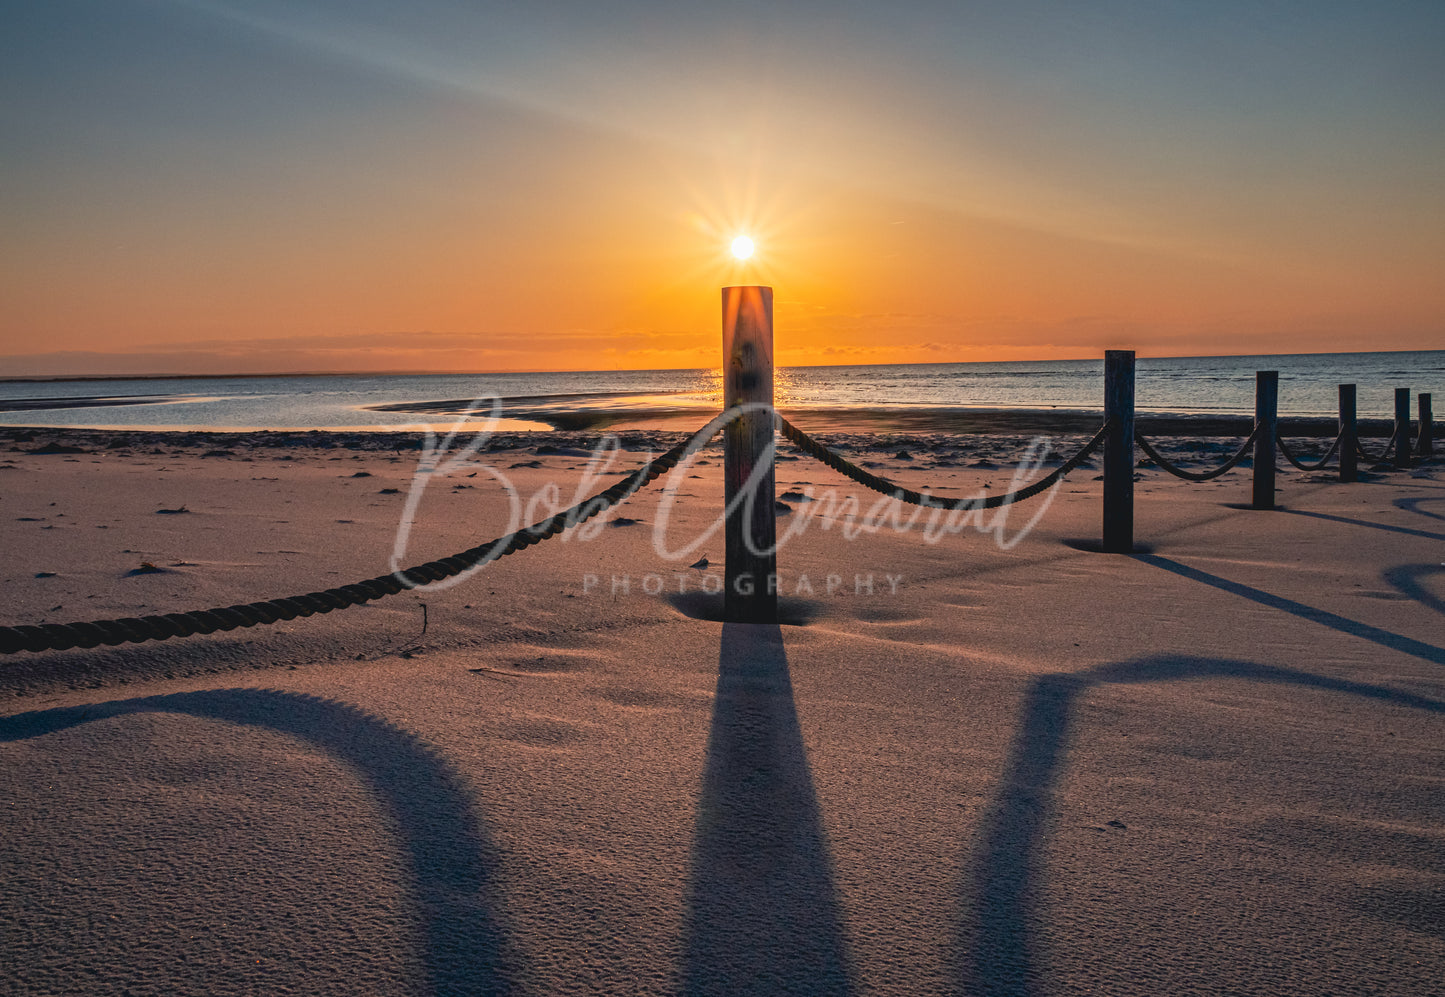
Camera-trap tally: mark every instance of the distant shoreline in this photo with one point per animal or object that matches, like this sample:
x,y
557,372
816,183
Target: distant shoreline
x,y
659,424
63,378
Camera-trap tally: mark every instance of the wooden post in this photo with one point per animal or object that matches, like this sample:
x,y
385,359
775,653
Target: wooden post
x,y
750,573
1349,435
1425,445
1402,427
1266,420
1119,452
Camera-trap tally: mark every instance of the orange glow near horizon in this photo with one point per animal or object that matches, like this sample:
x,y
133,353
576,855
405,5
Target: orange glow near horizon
x,y
859,278
531,275
449,229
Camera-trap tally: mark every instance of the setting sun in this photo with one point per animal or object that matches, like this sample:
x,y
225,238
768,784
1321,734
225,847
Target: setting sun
x,y
742,247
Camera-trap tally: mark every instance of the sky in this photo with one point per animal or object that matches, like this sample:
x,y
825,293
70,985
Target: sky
x,y
228,186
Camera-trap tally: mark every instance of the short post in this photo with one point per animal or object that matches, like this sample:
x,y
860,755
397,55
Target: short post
x,y
1349,435
1402,427
1425,445
1266,424
1119,452
750,572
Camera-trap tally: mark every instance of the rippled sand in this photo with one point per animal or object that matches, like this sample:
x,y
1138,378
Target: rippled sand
x,y
1212,767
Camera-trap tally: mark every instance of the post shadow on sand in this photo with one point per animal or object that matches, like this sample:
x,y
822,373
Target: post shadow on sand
x,y
998,954
1342,624
1386,527
447,849
762,912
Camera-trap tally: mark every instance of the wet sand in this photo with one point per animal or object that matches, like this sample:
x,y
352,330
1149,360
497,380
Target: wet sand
x,y
83,401
616,411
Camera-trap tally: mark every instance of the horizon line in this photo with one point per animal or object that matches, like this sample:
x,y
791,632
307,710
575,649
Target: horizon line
x,y
176,376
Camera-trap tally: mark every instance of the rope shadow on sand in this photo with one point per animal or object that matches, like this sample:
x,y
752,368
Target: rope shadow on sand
x,y
1406,578
1413,503
997,953
447,849
763,915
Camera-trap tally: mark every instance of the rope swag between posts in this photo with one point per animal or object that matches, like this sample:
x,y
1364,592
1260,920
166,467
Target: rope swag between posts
x,y
1384,455
844,466
1179,472
63,636
135,630
1317,465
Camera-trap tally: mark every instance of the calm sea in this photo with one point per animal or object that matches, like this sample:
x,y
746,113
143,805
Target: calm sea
x,y
1187,385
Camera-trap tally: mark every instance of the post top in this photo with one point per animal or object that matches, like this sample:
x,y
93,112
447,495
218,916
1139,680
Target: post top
x,y
747,287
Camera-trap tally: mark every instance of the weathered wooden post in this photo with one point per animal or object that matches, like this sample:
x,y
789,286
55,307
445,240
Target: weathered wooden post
x,y
1349,435
1119,452
1402,427
750,573
1425,445
1266,421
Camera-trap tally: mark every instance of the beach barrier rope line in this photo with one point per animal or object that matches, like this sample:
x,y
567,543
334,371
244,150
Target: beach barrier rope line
x,y
844,466
135,630
1180,472
1243,450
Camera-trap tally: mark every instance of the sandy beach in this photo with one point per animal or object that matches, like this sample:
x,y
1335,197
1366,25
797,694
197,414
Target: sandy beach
x,y
961,766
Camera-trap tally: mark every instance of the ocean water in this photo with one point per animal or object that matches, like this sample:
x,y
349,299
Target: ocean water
x,y
1201,385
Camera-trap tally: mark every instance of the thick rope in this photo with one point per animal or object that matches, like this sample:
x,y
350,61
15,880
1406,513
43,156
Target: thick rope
x,y
61,636
1301,464
1389,445
842,465
1179,472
